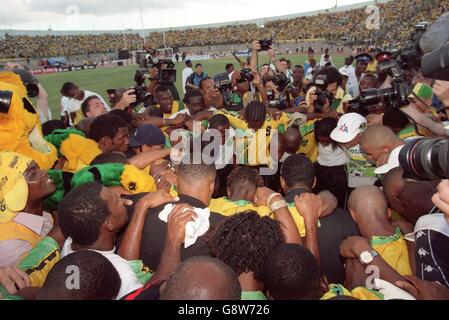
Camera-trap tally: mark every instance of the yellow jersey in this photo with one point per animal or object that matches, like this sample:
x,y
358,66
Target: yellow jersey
x,y
394,251
174,109
309,146
253,147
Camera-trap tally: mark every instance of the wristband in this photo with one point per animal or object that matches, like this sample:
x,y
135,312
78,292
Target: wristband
x,y
270,198
278,205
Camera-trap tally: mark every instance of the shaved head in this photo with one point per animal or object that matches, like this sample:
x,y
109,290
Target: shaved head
x,y
291,140
379,139
368,202
202,278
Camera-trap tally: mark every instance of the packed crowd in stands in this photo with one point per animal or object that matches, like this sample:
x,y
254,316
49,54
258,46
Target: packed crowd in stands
x,y
265,182
397,19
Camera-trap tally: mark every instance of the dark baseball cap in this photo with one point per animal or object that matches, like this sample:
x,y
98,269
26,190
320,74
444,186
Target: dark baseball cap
x,y
149,135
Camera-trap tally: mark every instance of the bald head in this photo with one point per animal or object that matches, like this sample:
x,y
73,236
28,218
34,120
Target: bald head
x,y
202,278
379,139
368,202
291,140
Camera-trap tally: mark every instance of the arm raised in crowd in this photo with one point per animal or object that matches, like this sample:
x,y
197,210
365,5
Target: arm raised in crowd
x,y
177,122
144,159
310,207
254,55
277,204
130,248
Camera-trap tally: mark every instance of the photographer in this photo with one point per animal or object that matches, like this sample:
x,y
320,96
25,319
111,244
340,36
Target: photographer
x,y
327,92
212,96
122,98
29,79
242,87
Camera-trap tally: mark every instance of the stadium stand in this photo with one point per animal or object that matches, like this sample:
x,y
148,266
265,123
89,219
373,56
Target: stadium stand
x,y
397,19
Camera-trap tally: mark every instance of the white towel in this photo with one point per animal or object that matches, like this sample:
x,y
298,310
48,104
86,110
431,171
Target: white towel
x,y
194,229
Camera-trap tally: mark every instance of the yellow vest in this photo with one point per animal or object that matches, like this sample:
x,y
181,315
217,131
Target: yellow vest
x,y
13,230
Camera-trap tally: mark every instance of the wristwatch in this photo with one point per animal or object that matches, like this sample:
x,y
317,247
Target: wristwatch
x,y
366,257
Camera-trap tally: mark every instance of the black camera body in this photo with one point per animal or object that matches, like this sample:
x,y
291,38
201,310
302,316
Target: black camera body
x,y
395,96
281,81
411,55
246,74
321,83
166,67
224,85
265,44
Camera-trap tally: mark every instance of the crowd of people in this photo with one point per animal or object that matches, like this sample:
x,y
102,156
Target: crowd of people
x,y
282,188
55,46
397,19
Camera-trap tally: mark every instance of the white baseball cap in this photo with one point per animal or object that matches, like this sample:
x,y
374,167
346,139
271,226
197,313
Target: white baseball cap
x,y
348,127
393,162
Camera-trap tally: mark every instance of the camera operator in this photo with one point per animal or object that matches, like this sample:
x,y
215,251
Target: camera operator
x,y
29,79
156,72
211,94
122,98
328,93
242,87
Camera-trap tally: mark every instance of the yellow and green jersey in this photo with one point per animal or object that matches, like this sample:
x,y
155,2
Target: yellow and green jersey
x,y
253,147
309,146
408,132
228,207
360,293
394,251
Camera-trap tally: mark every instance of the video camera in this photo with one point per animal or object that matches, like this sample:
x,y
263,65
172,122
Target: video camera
x,y
223,84
321,83
165,66
411,55
396,96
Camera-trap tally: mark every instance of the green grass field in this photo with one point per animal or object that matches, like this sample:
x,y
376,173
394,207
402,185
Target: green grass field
x,y
102,79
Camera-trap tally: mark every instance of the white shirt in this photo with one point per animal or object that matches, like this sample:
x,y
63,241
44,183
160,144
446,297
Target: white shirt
x,y
323,62
330,157
309,74
129,279
352,87
72,105
185,75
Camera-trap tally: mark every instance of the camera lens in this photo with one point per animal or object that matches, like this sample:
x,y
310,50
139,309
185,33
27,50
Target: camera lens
x,y
425,159
5,101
